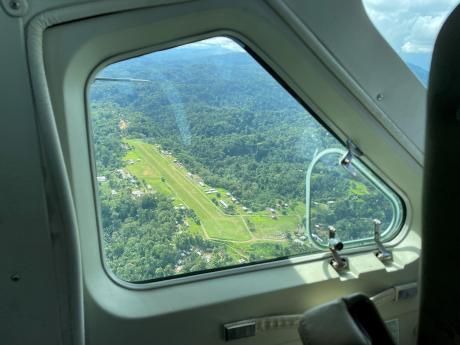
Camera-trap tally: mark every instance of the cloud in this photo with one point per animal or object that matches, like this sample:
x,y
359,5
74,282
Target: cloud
x,y
414,48
409,26
423,34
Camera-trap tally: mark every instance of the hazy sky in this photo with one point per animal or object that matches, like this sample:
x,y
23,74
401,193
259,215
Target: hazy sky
x,y
410,26
219,41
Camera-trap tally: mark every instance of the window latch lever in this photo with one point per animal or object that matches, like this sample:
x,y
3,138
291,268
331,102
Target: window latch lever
x,y
335,245
382,254
352,151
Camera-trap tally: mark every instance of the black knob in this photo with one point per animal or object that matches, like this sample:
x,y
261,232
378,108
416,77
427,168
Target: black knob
x,y
335,244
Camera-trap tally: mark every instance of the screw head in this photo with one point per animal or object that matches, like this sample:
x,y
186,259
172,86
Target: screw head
x,y
15,4
15,277
379,97
15,8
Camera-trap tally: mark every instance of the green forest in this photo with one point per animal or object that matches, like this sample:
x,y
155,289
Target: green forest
x,y
202,165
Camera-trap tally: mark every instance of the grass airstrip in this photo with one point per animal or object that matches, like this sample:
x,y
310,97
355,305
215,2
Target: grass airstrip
x,y
166,175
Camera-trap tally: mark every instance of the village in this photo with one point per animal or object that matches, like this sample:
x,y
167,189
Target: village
x,y
225,218
225,202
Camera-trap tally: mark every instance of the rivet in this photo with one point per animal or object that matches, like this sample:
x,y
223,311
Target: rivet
x,y
15,277
379,97
15,4
15,8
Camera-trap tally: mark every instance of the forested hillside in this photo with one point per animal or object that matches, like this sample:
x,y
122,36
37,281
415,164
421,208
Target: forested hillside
x,y
202,164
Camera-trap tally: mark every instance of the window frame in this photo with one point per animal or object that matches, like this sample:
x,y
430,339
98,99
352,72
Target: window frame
x,y
60,63
399,214
50,73
321,253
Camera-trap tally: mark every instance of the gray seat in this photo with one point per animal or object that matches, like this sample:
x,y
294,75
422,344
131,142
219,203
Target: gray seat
x,y
439,321
351,320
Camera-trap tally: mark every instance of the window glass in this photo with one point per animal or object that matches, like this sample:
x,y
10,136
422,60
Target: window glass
x,y
350,205
411,27
202,161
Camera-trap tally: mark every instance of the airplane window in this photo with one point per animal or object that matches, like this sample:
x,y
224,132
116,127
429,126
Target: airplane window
x,y
411,27
202,161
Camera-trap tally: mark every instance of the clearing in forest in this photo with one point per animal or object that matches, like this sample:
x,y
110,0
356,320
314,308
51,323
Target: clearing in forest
x,y
161,171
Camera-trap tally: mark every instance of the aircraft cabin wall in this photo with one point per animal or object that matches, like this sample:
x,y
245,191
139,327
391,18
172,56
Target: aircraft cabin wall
x,y
58,284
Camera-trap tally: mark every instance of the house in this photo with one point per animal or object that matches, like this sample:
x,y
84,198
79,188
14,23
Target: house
x,y
317,238
223,203
124,175
137,193
244,208
201,183
101,179
114,192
